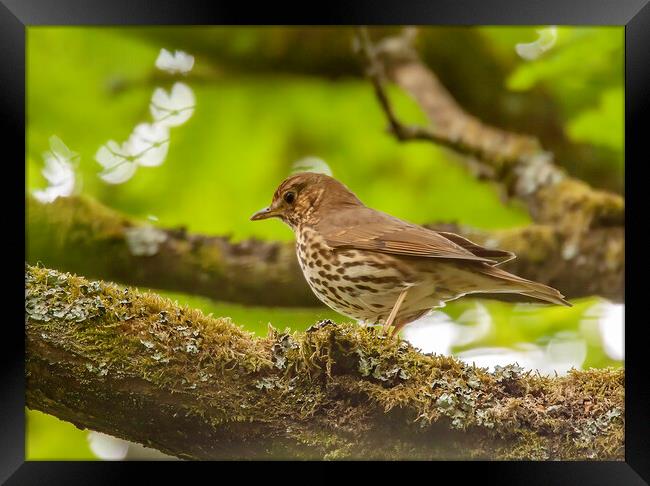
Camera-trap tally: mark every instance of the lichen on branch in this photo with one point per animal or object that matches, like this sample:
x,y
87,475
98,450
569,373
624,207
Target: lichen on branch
x,y
137,366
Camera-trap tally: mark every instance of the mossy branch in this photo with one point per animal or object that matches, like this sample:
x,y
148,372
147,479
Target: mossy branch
x,y
141,368
516,161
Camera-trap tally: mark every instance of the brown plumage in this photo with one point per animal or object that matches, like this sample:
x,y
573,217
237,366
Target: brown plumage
x,y
377,268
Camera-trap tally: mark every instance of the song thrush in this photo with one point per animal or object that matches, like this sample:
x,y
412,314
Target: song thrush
x,y
374,267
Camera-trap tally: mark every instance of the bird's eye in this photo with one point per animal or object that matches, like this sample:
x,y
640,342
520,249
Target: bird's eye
x,y
290,197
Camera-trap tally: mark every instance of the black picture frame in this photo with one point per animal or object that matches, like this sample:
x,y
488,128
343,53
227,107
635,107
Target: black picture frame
x,y
17,15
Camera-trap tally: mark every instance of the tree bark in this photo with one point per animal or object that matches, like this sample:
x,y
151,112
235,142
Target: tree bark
x,y
80,235
137,367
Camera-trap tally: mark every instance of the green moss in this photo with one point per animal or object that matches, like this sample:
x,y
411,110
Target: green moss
x,y
572,204
76,218
135,333
336,390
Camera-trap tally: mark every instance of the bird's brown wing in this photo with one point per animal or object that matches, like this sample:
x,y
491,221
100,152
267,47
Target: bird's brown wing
x,y
501,256
367,229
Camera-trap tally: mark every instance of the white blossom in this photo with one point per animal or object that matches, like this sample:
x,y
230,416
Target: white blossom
x,y
112,154
312,164
61,179
610,325
145,240
61,151
173,108
612,329
118,162
433,333
120,173
563,352
179,62
149,143
59,171
107,447
147,146
532,50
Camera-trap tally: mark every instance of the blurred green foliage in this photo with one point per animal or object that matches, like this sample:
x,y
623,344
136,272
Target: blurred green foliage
x,y
584,72
89,85
246,132
49,438
603,124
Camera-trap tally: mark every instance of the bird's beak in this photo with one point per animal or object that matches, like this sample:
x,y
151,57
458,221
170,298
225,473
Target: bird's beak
x,y
264,214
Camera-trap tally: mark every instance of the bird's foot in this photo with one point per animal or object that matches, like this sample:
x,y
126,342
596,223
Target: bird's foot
x,y
390,332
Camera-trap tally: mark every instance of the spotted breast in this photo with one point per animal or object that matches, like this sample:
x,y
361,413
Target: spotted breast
x,y
359,284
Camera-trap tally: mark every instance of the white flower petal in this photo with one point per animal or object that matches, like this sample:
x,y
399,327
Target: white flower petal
x,y
179,62
532,50
612,330
158,114
312,164
55,171
60,150
46,195
172,109
52,192
110,155
118,149
59,172
149,144
66,187
145,240
547,37
154,156
160,97
105,158
119,173
151,132
182,95
107,447
434,333
492,357
179,118
165,59
529,51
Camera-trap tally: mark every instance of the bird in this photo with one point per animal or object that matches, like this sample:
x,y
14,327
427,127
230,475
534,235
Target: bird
x,y
376,268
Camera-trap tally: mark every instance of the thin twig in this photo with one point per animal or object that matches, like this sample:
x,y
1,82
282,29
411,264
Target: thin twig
x,y
376,73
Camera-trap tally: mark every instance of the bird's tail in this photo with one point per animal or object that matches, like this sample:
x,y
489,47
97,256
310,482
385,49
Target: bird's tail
x,y
507,282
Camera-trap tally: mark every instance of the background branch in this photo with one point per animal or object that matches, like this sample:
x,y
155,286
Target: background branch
x,y
135,366
516,161
325,52
80,235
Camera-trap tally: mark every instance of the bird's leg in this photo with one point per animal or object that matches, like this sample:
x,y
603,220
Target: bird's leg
x,y
393,312
398,327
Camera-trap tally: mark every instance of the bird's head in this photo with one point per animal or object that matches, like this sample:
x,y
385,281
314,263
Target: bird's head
x,y
302,198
